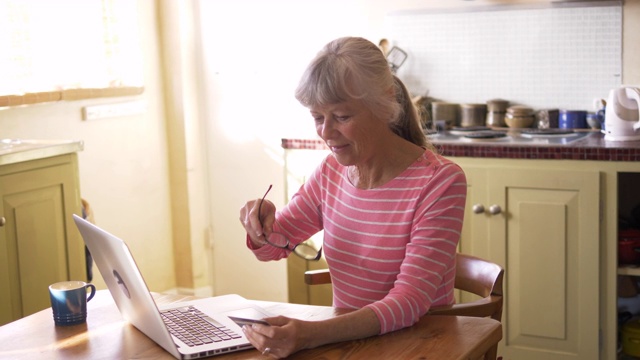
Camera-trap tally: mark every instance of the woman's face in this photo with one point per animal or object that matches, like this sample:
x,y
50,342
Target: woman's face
x,y
350,130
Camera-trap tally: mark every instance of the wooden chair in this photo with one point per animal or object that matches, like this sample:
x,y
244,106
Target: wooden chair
x,y
473,275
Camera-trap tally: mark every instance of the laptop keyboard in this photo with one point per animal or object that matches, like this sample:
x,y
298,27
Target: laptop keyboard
x,y
195,328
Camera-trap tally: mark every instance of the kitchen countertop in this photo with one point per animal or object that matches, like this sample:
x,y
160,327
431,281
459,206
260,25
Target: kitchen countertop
x,y
586,146
18,150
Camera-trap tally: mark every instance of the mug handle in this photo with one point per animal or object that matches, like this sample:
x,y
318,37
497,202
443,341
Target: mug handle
x,y
93,291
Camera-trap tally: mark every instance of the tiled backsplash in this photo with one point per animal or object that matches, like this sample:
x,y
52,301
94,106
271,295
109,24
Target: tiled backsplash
x,y
540,56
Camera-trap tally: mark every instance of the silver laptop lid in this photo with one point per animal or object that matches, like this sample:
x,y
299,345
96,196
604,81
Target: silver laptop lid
x,y
126,284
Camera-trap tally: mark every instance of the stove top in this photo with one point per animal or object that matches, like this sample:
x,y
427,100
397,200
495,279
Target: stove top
x,y
485,134
547,132
509,136
469,129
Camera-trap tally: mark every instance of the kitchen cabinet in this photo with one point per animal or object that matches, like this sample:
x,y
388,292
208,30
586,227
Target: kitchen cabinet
x,y
542,226
39,244
628,274
507,182
299,164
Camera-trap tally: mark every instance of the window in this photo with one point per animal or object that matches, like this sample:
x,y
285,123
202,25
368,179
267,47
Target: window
x,y
68,50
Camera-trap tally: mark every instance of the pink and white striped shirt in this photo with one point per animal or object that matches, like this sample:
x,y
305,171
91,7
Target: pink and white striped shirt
x,y
391,248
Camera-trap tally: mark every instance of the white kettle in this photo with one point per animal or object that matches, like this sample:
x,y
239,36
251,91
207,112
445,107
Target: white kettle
x,y
622,116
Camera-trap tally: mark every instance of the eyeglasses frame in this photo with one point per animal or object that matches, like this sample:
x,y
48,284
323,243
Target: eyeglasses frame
x,y
286,246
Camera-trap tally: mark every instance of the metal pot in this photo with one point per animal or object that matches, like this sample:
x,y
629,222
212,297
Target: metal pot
x,y
444,111
629,247
496,110
473,115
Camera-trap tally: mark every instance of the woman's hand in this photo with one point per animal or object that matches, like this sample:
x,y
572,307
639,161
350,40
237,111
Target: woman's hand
x,y
258,225
283,337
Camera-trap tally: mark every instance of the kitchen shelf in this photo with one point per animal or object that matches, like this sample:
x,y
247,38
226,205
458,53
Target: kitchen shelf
x,y
631,270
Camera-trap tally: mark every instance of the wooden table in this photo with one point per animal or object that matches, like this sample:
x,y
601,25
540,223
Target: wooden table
x,y
107,336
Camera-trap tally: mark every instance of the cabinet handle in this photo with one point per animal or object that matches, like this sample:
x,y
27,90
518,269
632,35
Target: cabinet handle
x,y
2,221
478,209
495,209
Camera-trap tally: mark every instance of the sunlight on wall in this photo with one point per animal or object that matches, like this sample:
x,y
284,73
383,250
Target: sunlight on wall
x,y
47,46
254,54
258,53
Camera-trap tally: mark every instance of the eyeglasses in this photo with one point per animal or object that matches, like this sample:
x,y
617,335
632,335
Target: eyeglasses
x,y
279,240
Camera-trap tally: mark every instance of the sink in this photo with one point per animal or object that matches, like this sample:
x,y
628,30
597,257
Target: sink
x,y
16,150
11,145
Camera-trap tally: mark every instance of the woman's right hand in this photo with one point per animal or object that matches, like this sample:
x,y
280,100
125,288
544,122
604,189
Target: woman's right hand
x,y
251,220
281,338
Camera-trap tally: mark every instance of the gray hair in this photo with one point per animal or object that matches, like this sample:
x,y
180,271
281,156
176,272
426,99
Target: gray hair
x,y
355,68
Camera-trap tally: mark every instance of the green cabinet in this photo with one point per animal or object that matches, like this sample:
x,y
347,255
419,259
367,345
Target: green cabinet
x,y
553,225
39,244
542,225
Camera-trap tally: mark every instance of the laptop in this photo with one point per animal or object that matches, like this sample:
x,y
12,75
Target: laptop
x,y
227,313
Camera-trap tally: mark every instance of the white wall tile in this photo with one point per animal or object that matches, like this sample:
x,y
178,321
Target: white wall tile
x,y
544,57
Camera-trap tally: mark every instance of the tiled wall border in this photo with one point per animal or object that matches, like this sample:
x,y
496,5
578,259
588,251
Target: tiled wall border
x,y
595,150
540,153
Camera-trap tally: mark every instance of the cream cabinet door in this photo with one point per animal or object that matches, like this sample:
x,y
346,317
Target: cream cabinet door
x,y
39,244
298,165
543,227
475,228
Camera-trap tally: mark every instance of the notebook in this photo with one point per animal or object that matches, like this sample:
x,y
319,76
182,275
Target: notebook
x,y
132,297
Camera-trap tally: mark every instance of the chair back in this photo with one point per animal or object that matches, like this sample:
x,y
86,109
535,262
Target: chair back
x,y
474,275
482,278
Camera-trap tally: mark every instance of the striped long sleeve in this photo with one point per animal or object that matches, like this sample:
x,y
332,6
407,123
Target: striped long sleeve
x,y
390,248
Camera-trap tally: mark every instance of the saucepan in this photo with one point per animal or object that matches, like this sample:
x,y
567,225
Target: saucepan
x,y
629,247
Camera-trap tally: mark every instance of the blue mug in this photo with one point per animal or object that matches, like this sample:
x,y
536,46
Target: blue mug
x,y
69,301
572,119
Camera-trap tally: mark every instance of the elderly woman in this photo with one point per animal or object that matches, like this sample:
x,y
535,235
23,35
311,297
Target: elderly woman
x,y
391,208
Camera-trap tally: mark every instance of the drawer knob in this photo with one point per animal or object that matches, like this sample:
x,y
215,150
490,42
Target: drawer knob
x,y
2,221
495,209
478,209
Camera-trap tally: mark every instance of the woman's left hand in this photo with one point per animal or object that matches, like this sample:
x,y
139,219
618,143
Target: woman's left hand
x,y
280,339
